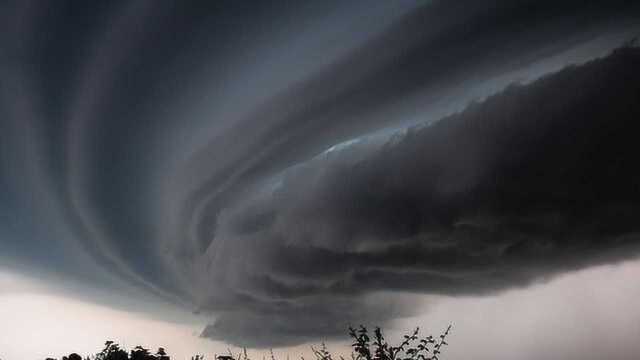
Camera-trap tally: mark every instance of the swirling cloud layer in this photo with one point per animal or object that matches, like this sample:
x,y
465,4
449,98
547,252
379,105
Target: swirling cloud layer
x,y
290,168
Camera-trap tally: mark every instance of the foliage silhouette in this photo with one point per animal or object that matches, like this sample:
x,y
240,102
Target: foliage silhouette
x,y
112,351
412,347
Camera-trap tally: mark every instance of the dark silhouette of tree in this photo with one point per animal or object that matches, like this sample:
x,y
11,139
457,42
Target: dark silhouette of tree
x,y
140,353
412,347
162,355
112,351
72,356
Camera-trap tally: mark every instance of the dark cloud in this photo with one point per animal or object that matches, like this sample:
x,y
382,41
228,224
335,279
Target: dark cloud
x,y
537,180
262,324
256,160
429,51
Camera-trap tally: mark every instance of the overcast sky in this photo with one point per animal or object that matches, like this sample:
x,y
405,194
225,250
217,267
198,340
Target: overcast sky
x,y
264,174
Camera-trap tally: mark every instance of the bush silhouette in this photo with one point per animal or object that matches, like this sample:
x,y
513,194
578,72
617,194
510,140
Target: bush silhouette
x,y
412,347
72,356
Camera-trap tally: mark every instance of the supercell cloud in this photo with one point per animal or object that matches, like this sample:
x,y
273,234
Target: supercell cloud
x,y
532,182
292,169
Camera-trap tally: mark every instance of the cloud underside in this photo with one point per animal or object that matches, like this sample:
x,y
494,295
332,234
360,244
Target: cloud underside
x,y
535,181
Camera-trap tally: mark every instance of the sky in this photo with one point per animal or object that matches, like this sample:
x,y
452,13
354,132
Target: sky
x,y
204,175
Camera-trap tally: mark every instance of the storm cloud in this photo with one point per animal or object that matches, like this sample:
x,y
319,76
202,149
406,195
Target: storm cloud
x,y
536,180
295,168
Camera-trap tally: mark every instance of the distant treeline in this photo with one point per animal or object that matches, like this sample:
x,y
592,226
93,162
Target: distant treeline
x,y
365,346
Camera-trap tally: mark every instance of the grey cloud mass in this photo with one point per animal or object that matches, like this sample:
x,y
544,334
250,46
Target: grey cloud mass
x,y
292,168
536,180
